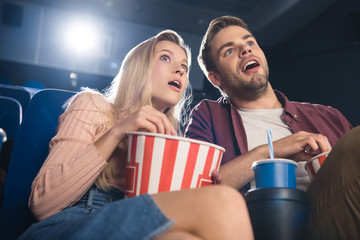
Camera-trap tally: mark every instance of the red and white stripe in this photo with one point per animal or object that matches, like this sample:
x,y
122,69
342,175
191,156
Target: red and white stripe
x,y
314,165
183,164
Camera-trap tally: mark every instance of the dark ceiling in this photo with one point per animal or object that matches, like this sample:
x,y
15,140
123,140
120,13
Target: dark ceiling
x,y
309,43
273,20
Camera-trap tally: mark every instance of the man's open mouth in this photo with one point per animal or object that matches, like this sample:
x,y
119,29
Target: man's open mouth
x,y
250,65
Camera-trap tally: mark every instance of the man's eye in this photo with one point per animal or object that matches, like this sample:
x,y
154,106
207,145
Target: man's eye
x,y
251,43
229,51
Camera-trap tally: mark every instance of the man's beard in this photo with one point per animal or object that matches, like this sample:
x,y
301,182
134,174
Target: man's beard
x,y
248,90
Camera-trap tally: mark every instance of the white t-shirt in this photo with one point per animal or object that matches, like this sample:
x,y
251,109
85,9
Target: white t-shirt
x,y
256,122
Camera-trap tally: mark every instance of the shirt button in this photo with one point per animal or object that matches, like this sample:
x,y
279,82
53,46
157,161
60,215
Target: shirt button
x,y
295,116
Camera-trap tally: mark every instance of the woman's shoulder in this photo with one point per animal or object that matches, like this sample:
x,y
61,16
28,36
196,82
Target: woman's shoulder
x,y
89,100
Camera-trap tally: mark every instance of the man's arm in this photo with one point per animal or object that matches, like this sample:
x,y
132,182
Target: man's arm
x,y
237,172
298,147
207,123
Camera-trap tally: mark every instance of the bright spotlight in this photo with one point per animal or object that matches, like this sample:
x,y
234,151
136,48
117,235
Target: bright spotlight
x,y
82,38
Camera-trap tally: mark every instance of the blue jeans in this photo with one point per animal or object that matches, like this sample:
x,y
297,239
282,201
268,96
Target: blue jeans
x,y
103,215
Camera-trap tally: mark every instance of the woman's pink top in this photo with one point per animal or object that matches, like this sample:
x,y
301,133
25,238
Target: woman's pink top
x,y
73,163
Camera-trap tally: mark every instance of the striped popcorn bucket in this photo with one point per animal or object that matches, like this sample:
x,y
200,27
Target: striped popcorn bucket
x,y
313,165
158,163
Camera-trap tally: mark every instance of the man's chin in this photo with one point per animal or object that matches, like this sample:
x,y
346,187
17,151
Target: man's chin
x,y
253,92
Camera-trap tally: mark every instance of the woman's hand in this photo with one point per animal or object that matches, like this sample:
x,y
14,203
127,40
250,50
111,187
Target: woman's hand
x,y
215,177
146,119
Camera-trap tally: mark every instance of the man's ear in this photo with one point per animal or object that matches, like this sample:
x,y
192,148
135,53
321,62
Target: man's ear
x,y
214,79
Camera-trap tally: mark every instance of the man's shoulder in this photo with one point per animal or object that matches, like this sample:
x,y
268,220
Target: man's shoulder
x,y
306,106
291,105
212,104
319,112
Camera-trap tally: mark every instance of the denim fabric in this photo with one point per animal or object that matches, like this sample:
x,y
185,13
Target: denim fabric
x,y
101,215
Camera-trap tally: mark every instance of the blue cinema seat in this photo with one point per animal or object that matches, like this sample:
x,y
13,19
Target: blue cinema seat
x,y
34,84
12,104
17,92
3,137
29,152
10,119
10,115
5,80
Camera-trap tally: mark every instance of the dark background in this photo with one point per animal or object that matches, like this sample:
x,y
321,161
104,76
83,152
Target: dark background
x,y
313,47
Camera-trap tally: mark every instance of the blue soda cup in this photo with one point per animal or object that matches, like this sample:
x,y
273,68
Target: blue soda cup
x,y
278,172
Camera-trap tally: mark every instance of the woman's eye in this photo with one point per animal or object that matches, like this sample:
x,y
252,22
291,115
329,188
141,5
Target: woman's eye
x,y
165,58
185,68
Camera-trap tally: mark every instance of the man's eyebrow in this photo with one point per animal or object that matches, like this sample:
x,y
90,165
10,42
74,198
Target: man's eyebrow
x,y
248,36
245,37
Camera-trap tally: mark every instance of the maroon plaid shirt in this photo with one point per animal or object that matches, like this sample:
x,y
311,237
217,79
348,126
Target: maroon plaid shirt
x,y
219,122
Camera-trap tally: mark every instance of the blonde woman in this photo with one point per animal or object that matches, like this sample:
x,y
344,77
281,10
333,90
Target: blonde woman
x,y
78,192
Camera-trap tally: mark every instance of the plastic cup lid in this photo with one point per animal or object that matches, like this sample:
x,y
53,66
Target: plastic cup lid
x,y
275,160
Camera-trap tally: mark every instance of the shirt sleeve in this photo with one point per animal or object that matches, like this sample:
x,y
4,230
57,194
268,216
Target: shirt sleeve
x,y
73,163
200,125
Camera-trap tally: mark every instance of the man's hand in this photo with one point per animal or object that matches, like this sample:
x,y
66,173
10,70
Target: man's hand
x,y
301,146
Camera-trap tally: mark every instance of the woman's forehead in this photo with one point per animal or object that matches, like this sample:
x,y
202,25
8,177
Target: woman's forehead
x,y
170,46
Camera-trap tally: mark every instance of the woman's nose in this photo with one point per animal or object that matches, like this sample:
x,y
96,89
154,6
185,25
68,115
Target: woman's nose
x,y
179,70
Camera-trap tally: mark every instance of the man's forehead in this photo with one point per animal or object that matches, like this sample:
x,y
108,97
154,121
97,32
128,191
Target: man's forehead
x,y
230,34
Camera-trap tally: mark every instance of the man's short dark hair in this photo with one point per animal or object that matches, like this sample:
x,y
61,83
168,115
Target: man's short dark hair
x,y
205,59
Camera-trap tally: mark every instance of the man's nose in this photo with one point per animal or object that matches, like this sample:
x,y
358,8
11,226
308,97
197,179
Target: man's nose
x,y
245,51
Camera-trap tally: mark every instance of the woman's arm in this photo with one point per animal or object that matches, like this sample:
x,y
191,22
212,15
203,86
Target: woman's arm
x,y
74,162
81,149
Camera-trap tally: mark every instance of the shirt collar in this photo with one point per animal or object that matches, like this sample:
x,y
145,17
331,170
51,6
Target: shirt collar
x,y
289,108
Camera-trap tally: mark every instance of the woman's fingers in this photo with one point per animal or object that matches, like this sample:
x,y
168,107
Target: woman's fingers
x,y
159,120
151,120
215,177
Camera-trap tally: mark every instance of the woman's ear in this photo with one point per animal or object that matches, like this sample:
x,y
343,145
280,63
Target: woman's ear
x,y
214,79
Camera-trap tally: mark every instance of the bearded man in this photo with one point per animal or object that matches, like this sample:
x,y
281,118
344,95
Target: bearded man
x,y
233,62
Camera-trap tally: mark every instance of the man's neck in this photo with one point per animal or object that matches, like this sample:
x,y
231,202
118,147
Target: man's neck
x,y
267,101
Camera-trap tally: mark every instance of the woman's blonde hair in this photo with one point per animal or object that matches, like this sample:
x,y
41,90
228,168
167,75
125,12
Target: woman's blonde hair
x,y
131,88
